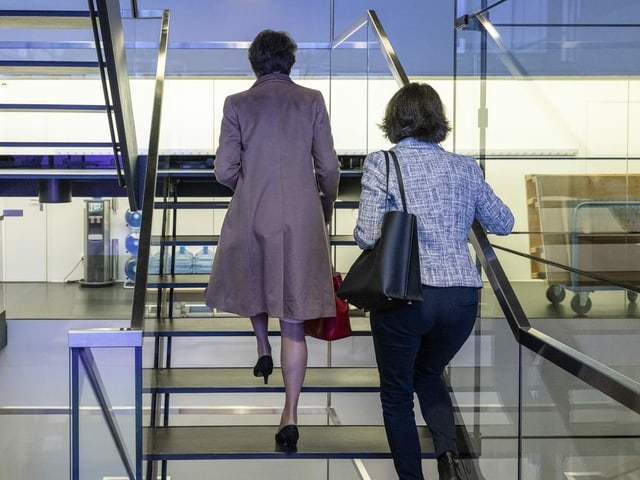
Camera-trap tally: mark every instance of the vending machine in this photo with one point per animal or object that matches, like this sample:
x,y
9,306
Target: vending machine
x,y
98,255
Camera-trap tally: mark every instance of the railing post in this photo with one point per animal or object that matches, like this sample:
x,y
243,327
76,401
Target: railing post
x,y
74,395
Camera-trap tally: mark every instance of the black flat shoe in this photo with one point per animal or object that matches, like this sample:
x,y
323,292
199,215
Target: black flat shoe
x,y
264,368
287,439
448,466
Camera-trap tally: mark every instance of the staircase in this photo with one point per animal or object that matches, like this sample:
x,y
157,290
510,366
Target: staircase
x,y
175,311
177,314
66,45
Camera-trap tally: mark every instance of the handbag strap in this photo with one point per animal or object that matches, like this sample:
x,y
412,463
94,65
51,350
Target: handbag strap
x,y
398,176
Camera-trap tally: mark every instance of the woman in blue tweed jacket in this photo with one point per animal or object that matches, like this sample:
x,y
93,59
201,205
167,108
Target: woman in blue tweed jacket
x,y
415,342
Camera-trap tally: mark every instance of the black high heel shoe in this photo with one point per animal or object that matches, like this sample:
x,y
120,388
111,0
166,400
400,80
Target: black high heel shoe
x,y
287,438
264,368
448,466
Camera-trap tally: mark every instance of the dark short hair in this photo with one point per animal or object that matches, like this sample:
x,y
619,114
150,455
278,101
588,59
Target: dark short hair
x,y
272,52
415,111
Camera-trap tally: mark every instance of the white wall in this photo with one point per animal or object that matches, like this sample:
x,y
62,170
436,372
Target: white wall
x,y
565,117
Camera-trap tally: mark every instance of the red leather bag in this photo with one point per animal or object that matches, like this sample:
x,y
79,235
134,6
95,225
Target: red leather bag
x,y
331,328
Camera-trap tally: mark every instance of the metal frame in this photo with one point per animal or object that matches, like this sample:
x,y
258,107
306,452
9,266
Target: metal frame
x,y
388,52
115,61
81,342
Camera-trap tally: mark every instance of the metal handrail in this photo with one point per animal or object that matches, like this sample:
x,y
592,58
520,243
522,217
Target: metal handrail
x,y
142,265
388,52
606,380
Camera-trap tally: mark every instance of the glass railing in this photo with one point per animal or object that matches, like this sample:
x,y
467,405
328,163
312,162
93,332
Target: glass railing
x,y
546,103
559,403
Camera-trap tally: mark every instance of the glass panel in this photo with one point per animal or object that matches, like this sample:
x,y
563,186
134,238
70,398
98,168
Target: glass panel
x,y
550,107
361,85
116,368
484,381
572,431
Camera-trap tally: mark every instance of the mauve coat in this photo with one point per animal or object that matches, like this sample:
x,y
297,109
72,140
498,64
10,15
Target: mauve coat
x,y
276,153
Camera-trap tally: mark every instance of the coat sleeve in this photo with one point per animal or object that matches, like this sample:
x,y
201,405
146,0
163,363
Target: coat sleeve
x,y
325,160
227,163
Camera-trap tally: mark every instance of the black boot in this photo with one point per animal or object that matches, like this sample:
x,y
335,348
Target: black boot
x,y
448,466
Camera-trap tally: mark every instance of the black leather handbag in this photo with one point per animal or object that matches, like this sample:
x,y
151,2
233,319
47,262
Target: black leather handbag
x,y
388,275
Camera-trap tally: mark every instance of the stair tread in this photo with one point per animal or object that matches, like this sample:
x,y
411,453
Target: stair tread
x,y
340,204
48,67
42,107
186,280
55,19
190,205
228,326
190,240
187,240
58,144
237,379
237,442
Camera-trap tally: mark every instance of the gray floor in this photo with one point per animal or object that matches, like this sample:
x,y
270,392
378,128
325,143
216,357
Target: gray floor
x,y
51,301
35,300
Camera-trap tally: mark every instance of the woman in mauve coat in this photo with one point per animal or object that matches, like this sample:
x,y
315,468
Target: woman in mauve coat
x,y
276,153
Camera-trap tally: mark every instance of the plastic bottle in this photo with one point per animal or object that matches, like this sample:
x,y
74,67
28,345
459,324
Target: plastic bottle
x,y
133,219
130,268
132,243
154,264
184,261
203,261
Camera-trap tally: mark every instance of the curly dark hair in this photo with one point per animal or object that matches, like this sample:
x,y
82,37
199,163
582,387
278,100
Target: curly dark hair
x,y
272,52
415,111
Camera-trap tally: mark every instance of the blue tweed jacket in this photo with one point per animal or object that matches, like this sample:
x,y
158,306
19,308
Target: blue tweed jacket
x,y
446,192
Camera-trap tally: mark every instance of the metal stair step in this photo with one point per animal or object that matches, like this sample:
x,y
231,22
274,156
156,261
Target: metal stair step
x,y
186,240
54,19
187,280
187,205
229,327
34,107
198,240
241,380
257,442
52,67
58,144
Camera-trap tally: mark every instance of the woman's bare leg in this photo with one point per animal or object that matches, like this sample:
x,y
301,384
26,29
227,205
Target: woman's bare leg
x,y
260,324
293,359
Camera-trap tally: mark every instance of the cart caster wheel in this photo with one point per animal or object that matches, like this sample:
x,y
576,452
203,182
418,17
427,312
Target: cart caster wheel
x,y
580,304
632,296
556,294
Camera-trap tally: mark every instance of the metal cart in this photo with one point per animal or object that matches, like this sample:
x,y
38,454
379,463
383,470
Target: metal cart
x,y
604,240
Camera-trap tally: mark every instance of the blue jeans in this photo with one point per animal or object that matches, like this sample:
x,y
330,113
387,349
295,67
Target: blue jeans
x,y
413,345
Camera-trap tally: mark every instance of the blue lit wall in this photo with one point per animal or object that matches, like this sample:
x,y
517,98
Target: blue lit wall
x,y
545,37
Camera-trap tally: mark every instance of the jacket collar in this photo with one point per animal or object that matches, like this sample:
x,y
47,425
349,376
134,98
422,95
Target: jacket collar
x,y
273,77
411,142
